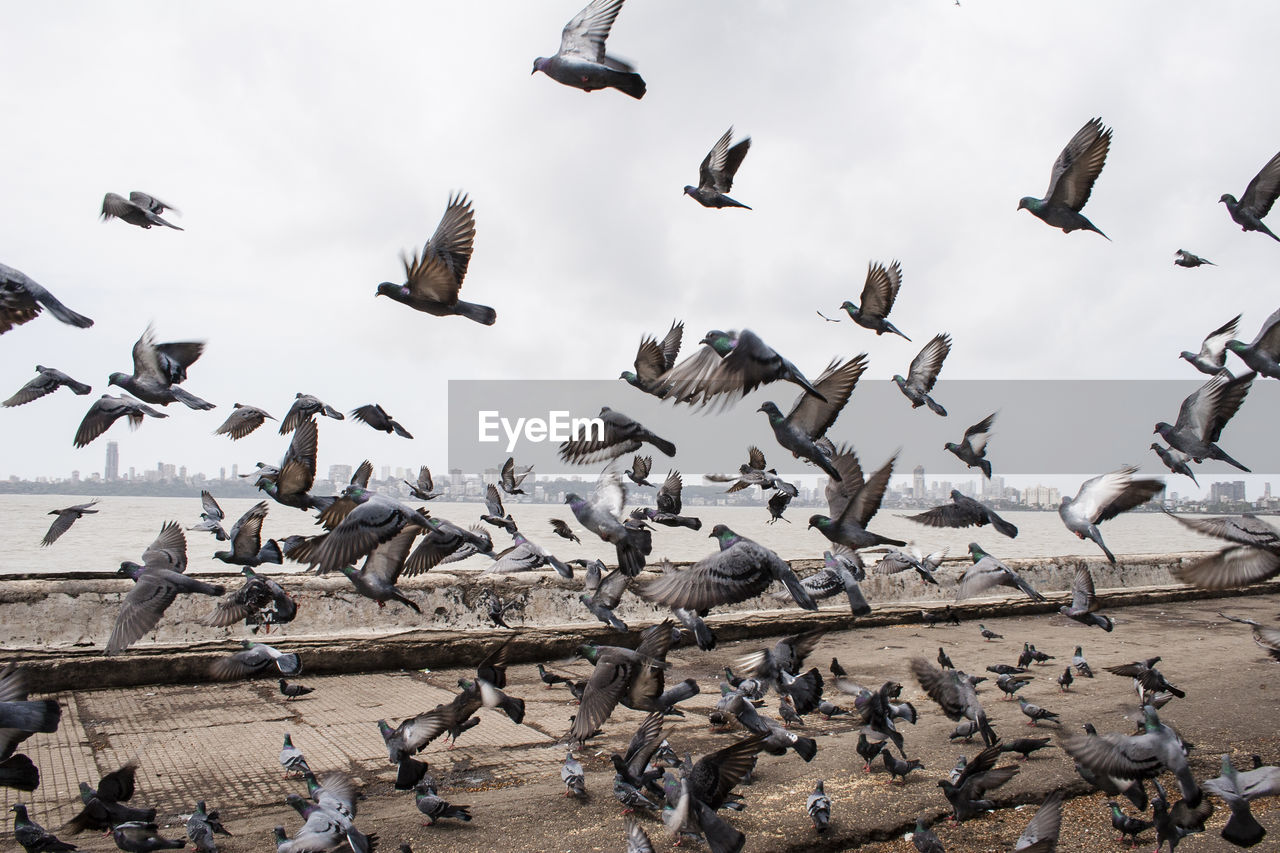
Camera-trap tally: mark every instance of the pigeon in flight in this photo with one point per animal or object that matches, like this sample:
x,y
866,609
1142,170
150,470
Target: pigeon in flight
x,y
754,473
853,503
211,518
495,513
424,489
954,692
432,281
47,381
1258,197
1237,789
638,473
361,521
22,300
1103,498
376,416
1212,357
1254,554
811,416
1072,179
246,541
377,578
1183,258
972,449
1084,603
252,659
582,62
669,505
138,209
621,436
653,359
106,411
65,518
1203,415
715,175
304,408
1263,353
987,572
290,484
964,511
242,421
561,528
1041,834
157,370
1175,460
510,479
1142,756
924,373
878,295
732,365
602,515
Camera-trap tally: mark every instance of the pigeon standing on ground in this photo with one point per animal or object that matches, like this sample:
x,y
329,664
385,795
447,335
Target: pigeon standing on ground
x,y
1212,357
33,837
810,418
964,511
1202,416
304,408
988,634
654,359
1103,498
972,449
878,295
158,369
106,411
1035,713
292,690
818,805
47,381
22,300
574,779
1263,353
435,808
923,374
987,572
582,62
1126,825
242,421
376,416
1072,179
715,175
432,281
1257,200
65,518
201,827
138,209
291,758
1081,665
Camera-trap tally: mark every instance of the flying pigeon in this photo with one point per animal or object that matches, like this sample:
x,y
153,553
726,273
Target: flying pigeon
x,y
252,659
669,505
47,381
22,300
377,578
290,484
878,295
810,418
638,473
432,281
731,365
1254,554
304,408
424,488
511,478
1084,603
138,209
362,520
65,518
377,417
972,449
987,572
1072,179
526,556
621,435
754,472
853,503
495,513
964,511
1156,748
561,528
715,175
1041,834
1203,415
1263,353
1183,258
1237,789
106,410
1175,460
653,359
1267,639
1258,197
924,373
157,370
967,794
1103,498
582,62
246,541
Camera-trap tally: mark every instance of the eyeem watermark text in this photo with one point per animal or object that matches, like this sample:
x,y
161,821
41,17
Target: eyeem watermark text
x,y
557,427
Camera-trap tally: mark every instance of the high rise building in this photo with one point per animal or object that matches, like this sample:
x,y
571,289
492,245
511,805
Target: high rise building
x,y
917,482
112,471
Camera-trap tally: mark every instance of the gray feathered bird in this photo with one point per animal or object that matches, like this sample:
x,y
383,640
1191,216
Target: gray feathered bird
x,y
1249,211
1072,180
246,541
654,359
1267,639
47,381
290,483
211,517
853,503
377,578
304,408
242,421
964,511
574,778
1183,258
511,477
1084,603
376,416
1203,415
424,488
620,435
818,805
1142,756
20,717
360,521
1254,554
972,449
669,505
106,410
638,473
526,556
582,62
1237,789
1175,460
602,516
987,572
158,369
447,542
1212,356
754,472
138,209
33,837
253,659
878,295
434,279
837,575
923,374
65,518
967,794
202,825
434,807
801,430
715,175
1263,352
1103,498
22,300
729,366
1041,834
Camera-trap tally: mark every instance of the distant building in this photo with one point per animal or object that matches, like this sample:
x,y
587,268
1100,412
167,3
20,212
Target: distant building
x,y
917,482
1227,492
112,471
340,473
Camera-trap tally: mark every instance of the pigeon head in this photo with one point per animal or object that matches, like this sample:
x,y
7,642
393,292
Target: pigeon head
x,y
726,536
819,521
386,288
688,190
771,409
572,498
539,64
19,810
629,376
589,652
1237,346
1163,428
118,378
1029,203
722,342
975,551
1227,198
849,306
131,569
952,446
298,803
40,368
902,383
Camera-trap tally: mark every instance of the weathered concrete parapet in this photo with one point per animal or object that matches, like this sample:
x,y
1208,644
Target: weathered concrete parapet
x,y
59,624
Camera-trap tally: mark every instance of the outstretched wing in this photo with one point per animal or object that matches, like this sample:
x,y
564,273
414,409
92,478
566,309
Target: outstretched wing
x,y
1079,165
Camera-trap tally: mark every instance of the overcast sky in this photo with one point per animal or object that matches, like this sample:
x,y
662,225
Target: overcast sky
x,y
307,144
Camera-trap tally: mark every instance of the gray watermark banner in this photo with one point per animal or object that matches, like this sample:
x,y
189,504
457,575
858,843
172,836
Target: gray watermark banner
x,y
1069,427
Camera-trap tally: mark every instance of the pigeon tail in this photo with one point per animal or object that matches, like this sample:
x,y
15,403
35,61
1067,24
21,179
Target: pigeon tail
x,y
70,317
720,836
682,691
19,772
986,470
191,401
480,313
629,84
1000,524
406,602
1242,830
662,444
270,553
409,773
806,748
934,407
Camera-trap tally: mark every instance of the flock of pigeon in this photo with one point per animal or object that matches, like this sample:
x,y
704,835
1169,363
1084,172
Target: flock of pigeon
x,y
360,524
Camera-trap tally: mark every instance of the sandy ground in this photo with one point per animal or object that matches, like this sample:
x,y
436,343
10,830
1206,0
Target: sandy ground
x,y
220,742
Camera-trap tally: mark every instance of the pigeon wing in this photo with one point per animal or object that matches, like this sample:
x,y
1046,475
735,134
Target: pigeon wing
x,y
1263,189
585,35
880,289
836,383
928,363
1079,165
437,275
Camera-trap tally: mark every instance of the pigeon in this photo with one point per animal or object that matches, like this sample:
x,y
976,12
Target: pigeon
x,y
601,515
834,578
1254,554
377,417
47,381
1064,680
1084,603
1103,498
1167,829
138,209
1072,180
754,473
431,805
526,556
257,594
1175,460
924,839
878,295
510,478
1024,746
242,421
138,837
104,807
924,373
157,370
1212,357
967,795
669,505
972,449
33,837
432,281
1263,353
954,692
810,418
776,739
106,411
582,62
740,570
869,750
631,767
853,503
1035,713
211,518
19,772
19,718
66,518
291,483
1183,258
715,175
446,542
944,660
1203,415
653,359
1267,639
637,840
1041,834
494,513
818,805
1010,684
246,541
621,435
377,578
1081,665
964,511
22,300
293,691
638,473
896,561
304,408
1126,825
1258,197
362,520
1237,789
329,820
574,779
158,581
988,634
424,488
291,758
1146,678
898,768
987,572
769,666
605,598
201,827
1145,755
253,659
729,366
